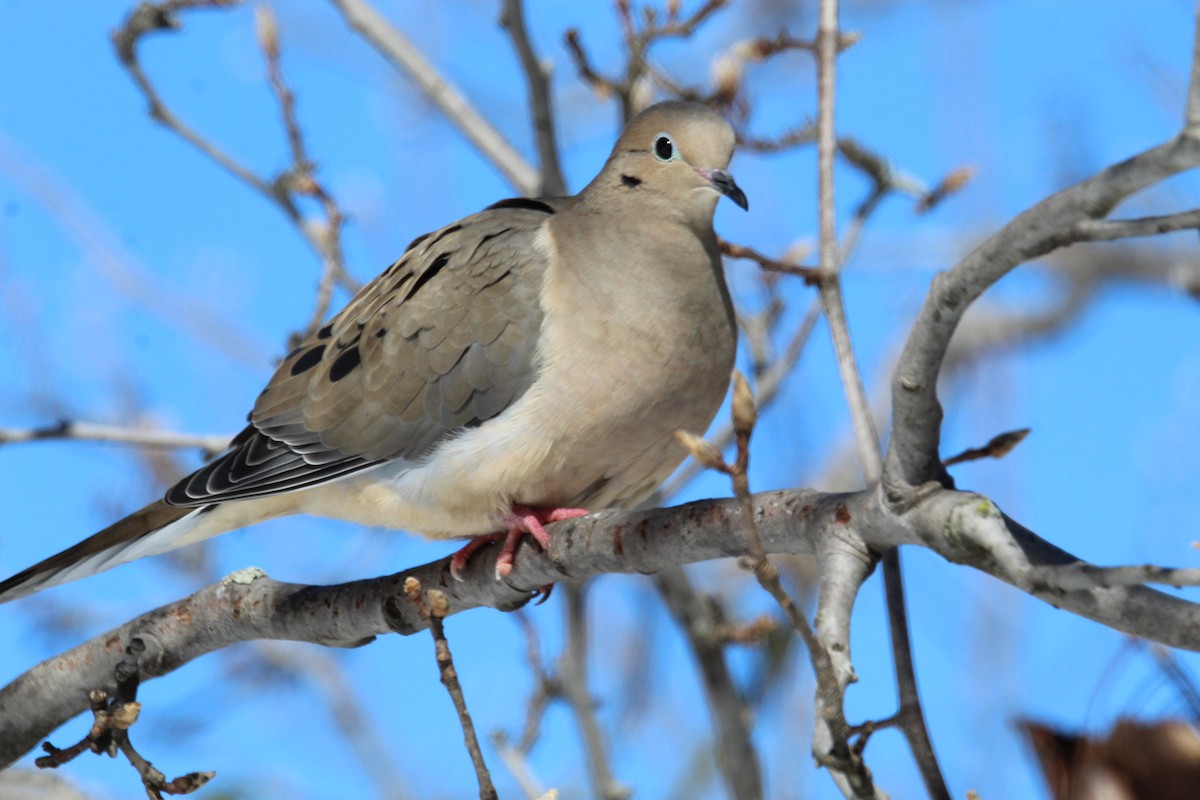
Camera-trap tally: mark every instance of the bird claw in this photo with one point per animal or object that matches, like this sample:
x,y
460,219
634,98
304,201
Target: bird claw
x,y
519,521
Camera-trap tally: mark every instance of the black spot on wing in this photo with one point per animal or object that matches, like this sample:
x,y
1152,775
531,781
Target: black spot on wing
x,y
325,332
487,239
527,203
428,274
496,280
344,364
631,181
308,360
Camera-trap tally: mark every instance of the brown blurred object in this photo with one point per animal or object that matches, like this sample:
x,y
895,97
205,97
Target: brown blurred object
x,y
1137,761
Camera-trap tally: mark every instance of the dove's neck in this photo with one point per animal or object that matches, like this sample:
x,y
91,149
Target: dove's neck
x,y
649,257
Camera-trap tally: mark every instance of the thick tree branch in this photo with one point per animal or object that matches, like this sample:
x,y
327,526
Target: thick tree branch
x,y
963,527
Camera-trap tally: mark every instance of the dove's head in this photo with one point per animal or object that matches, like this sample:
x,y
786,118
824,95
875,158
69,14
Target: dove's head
x,y
674,154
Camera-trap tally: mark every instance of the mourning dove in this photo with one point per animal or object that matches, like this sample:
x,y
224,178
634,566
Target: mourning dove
x,y
514,368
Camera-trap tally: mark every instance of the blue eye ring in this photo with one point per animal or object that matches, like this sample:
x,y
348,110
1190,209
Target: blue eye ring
x,y
664,148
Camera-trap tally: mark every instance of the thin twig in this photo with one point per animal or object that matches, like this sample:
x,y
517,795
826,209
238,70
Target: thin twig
x,y
911,713
640,32
297,179
548,686
811,275
156,17
109,733
435,611
830,692
300,178
143,437
803,134
514,758
600,84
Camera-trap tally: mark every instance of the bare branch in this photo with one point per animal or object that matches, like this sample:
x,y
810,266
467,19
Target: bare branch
x,y
866,436
583,65
811,275
916,412
537,76
144,437
1104,230
157,17
573,676
736,757
436,612
962,527
1073,577
911,715
404,55
297,179
301,179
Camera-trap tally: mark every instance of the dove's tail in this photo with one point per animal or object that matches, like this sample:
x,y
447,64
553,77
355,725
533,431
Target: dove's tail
x,y
155,529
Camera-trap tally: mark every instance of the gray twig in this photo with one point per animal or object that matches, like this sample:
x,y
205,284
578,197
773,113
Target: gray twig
x,y
144,437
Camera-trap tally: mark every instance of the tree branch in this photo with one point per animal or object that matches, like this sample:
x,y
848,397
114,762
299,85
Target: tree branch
x,y
1106,230
963,527
92,432
297,179
537,76
916,412
736,757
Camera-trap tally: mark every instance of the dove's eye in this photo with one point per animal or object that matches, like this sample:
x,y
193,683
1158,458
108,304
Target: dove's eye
x,y
664,148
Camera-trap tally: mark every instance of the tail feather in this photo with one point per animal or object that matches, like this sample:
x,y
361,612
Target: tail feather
x,y
154,529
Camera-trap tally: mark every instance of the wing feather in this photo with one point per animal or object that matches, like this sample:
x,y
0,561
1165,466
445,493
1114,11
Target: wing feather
x,y
445,338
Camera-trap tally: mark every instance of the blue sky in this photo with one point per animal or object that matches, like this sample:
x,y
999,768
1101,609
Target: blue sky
x,y
1033,94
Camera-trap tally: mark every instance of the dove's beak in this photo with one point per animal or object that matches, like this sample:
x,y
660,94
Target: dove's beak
x,y
724,183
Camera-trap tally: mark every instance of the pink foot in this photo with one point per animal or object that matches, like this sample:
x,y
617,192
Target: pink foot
x,y
519,521
463,554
